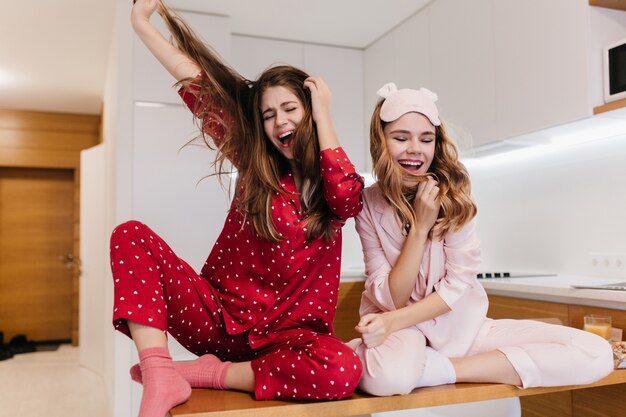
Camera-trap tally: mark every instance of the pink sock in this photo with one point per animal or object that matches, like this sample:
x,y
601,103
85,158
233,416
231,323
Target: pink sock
x,y
205,372
163,387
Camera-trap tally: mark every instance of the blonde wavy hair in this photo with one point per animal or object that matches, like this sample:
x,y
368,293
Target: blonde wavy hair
x,y
457,207
231,104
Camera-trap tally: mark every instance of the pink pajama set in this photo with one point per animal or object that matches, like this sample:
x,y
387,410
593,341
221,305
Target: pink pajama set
x,y
271,303
542,354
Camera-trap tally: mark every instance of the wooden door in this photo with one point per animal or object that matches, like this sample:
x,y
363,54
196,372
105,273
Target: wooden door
x,y
36,231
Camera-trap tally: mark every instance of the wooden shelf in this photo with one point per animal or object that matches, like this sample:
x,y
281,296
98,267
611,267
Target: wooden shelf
x,y
614,105
609,4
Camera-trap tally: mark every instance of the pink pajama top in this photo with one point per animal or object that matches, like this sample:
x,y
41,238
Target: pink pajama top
x,y
449,268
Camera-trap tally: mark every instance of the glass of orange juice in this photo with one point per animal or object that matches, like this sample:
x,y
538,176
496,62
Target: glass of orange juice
x,y
600,325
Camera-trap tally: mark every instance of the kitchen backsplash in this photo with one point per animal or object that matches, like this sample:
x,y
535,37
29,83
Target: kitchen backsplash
x,y
546,211
550,210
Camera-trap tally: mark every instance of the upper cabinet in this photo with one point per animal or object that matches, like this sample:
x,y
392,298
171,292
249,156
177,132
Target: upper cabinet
x,y
501,68
380,69
540,64
342,69
411,44
463,73
251,55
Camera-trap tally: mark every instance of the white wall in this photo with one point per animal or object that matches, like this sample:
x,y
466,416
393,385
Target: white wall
x,y
93,260
549,209
117,125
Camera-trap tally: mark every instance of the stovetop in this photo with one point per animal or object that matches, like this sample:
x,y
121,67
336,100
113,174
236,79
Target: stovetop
x,y
505,274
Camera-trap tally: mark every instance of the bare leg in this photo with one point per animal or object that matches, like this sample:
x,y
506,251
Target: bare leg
x,y
163,386
240,376
486,367
146,337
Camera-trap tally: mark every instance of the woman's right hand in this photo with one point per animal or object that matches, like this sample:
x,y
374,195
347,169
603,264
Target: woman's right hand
x,y
426,205
142,10
374,328
173,59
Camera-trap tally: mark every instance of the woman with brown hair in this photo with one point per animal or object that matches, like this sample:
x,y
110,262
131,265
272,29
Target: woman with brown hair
x,y
423,312
260,313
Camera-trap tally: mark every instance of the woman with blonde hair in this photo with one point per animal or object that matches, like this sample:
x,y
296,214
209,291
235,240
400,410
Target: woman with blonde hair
x,y
423,312
260,313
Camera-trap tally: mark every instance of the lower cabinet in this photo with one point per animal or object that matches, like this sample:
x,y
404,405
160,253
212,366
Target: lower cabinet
x,y
592,402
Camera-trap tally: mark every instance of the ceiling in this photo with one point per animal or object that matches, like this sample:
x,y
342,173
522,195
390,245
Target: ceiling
x,y
54,53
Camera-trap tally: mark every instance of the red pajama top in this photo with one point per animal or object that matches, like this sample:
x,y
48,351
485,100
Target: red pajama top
x,y
270,287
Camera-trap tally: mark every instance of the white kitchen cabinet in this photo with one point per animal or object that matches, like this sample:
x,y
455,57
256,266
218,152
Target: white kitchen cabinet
x,y
251,55
167,178
412,52
342,69
540,64
448,48
151,82
463,73
403,57
501,68
379,63
171,191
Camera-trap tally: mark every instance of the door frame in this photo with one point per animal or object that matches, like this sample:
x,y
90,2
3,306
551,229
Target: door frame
x,y
30,139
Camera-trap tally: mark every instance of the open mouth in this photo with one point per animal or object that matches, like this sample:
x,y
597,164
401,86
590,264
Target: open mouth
x,y
411,166
285,139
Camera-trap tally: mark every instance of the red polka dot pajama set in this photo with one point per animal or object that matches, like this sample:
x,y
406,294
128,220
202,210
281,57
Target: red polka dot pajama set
x,y
271,303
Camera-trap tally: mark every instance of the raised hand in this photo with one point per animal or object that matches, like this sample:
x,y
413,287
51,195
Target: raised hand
x,y
142,10
174,60
320,102
426,205
321,97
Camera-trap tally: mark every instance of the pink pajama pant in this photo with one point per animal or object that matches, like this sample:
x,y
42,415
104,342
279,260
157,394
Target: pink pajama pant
x,y
155,288
542,354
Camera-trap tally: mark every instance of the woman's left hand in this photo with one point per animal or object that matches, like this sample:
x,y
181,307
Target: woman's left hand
x,y
374,329
321,97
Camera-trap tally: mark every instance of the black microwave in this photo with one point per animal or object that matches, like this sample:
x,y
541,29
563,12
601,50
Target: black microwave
x,y
615,71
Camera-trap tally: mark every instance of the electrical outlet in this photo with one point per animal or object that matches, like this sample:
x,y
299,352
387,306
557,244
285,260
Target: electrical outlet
x,y
608,262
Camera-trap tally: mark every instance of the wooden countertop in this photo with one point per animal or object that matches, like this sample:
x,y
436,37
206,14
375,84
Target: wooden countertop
x,y
215,403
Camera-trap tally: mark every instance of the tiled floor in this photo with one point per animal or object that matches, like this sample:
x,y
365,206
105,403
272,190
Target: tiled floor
x,y
50,384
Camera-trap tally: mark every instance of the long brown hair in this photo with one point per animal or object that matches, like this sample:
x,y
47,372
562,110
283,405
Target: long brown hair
x,y
236,104
457,207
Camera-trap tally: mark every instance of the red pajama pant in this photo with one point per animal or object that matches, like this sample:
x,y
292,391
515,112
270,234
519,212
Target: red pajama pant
x,y
156,288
